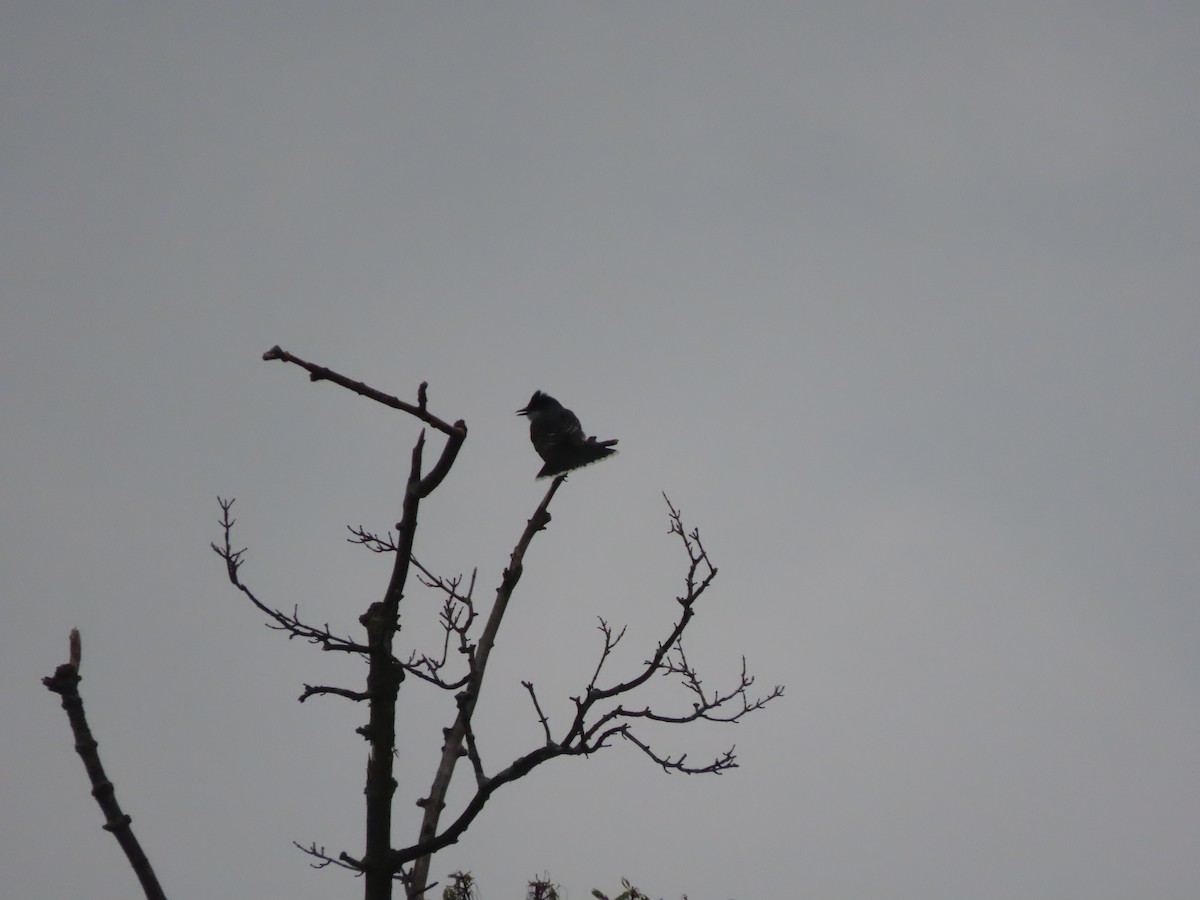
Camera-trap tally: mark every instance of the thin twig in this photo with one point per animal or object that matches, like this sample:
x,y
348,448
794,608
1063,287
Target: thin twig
x,y
282,621
528,685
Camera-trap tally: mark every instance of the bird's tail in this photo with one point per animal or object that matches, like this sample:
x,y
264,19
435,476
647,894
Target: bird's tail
x,y
576,457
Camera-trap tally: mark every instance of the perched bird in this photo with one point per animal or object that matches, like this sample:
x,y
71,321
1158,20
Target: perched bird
x,y
558,437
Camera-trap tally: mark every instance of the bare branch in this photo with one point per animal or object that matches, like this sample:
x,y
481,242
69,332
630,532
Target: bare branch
x,y
320,373
65,683
592,728
456,619
343,860
381,621
441,468
426,669
429,841
384,676
282,621
448,586
472,751
696,553
311,690
371,541
537,706
706,704
610,643
600,715
518,769
722,763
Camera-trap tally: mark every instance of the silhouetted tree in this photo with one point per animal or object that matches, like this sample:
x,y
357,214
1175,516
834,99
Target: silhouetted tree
x,y
600,715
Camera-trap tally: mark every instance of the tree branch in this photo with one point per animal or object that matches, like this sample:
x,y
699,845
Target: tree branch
x,y
320,373
596,722
383,684
435,802
312,690
324,860
545,722
65,683
381,621
590,729
725,761
283,622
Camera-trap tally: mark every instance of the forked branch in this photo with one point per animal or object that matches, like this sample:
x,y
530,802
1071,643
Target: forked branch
x,y
597,723
279,620
381,622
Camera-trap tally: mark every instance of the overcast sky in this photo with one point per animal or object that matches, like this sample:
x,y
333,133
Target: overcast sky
x,y
898,303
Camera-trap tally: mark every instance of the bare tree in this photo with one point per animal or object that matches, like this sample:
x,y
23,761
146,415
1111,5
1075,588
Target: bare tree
x,y
603,712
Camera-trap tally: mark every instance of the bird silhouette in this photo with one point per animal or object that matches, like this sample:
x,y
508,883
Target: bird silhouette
x,y
558,437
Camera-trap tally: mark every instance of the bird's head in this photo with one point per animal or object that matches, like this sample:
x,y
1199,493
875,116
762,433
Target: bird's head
x,y
538,403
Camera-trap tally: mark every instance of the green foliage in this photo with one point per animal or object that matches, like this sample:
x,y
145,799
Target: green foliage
x,y
461,887
629,893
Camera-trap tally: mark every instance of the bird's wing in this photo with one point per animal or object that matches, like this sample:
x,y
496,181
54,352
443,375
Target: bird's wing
x,y
552,433
569,428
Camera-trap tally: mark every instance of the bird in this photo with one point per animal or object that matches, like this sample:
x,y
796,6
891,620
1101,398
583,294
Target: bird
x,y
558,437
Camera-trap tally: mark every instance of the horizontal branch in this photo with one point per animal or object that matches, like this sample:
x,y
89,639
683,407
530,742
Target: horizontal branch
x,y
321,373
312,690
722,763
343,860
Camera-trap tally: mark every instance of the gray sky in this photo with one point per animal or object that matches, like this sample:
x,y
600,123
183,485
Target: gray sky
x,y
897,302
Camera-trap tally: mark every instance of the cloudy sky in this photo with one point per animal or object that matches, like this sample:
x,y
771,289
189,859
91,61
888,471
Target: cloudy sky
x,y
898,303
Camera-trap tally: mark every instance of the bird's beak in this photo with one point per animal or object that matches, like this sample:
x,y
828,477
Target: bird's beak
x,y
523,411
